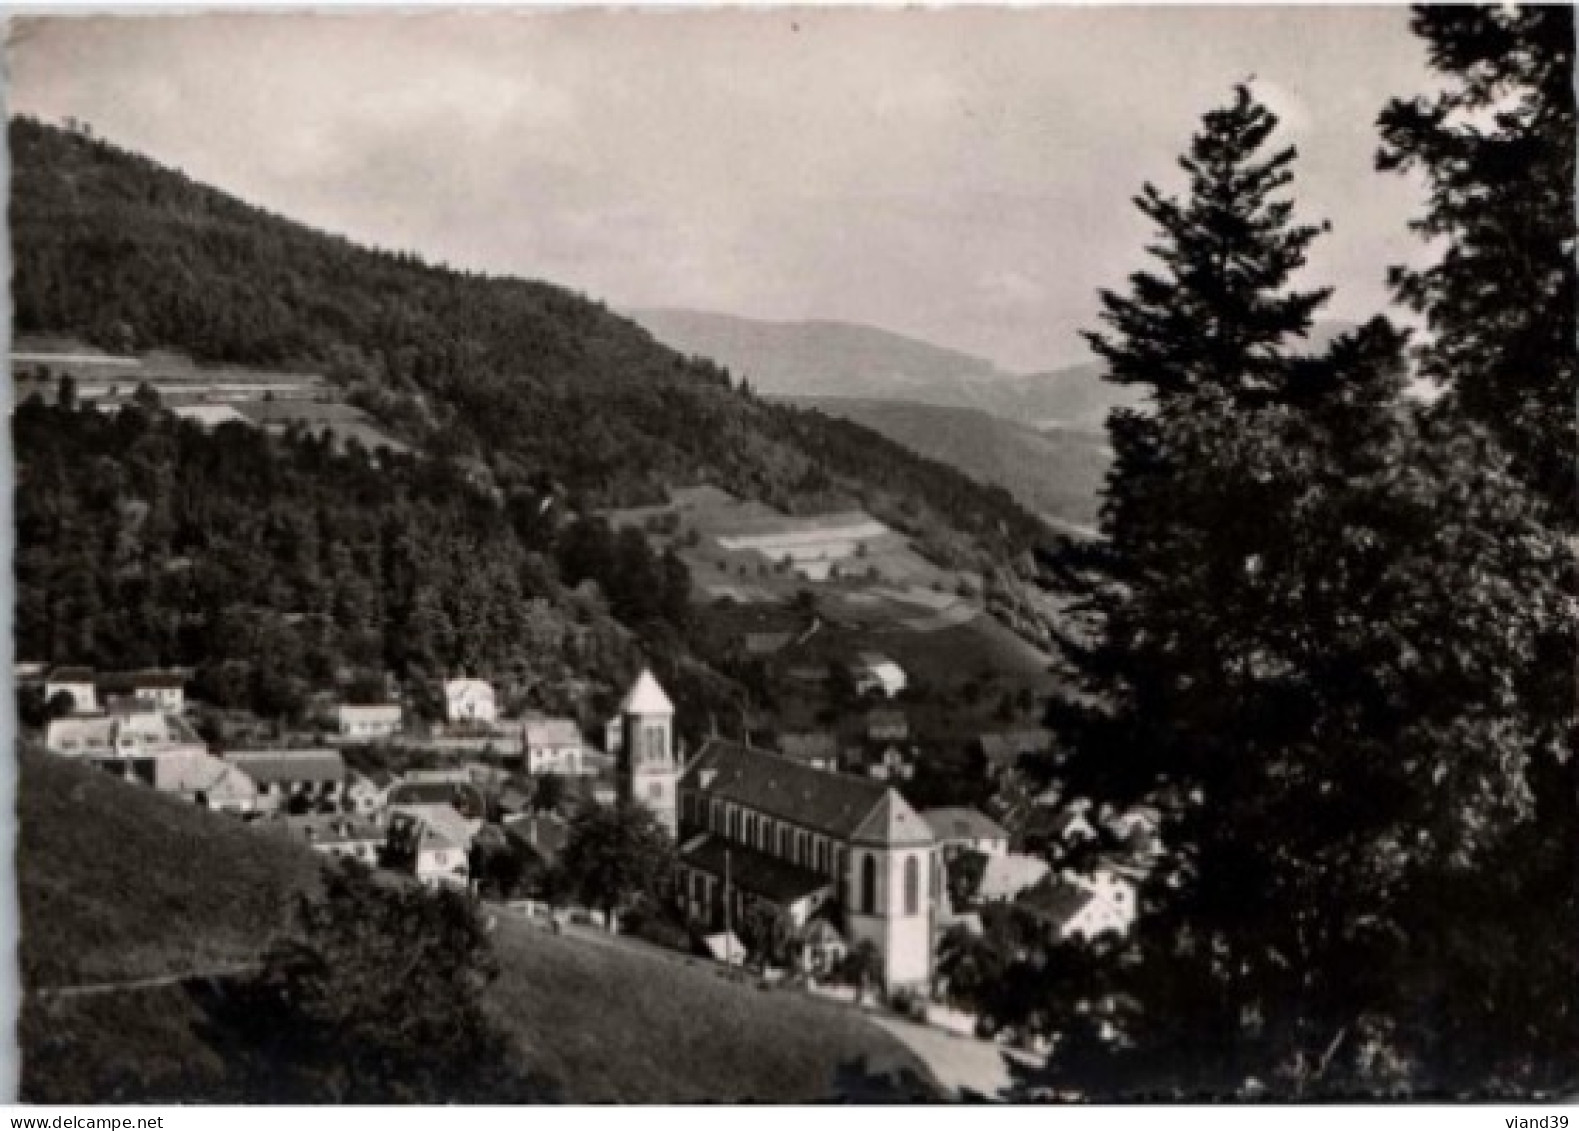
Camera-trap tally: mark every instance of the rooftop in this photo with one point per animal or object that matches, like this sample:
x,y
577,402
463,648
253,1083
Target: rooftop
x,y
840,805
752,871
266,766
1055,901
71,675
551,732
961,823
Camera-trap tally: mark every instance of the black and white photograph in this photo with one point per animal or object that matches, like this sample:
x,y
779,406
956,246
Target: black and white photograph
x,y
794,555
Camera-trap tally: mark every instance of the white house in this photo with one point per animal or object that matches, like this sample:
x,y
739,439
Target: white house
x,y
469,701
553,746
153,690
125,735
959,829
334,835
1006,876
199,777
457,829
1083,907
79,683
368,794
427,851
368,723
878,673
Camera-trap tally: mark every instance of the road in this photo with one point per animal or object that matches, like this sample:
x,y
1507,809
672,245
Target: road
x,y
960,1064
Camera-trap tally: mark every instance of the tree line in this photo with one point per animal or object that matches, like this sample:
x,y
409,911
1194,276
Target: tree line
x,y
1329,630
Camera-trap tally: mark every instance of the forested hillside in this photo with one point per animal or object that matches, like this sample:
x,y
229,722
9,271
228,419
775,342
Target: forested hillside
x,y
541,386
276,565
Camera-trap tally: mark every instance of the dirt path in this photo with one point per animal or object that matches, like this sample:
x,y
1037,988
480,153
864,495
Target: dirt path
x,y
88,989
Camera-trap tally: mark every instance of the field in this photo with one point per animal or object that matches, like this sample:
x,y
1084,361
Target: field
x,y
118,883
208,394
635,1025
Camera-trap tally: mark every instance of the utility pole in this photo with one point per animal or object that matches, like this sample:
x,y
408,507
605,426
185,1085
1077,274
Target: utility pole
x,y
729,930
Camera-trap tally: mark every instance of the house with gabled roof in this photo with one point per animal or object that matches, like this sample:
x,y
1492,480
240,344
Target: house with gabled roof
x,y
759,828
959,828
79,683
153,690
199,777
553,746
315,776
469,701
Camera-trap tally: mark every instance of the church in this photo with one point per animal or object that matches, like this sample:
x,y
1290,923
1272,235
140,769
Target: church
x,y
832,852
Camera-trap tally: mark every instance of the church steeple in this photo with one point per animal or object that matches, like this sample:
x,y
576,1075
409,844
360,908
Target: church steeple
x,y
648,770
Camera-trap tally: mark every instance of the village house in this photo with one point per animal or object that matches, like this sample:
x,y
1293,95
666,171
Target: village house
x,y
287,778
1004,752
960,829
200,778
458,828
79,683
121,735
553,746
469,701
813,845
816,750
887,725
423,849
368,794
1006,876
459,794
332,834
150,690
1081,908
875,673
367,723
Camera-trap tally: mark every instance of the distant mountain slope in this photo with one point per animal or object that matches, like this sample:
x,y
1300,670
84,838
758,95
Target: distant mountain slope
x,y
834,359
1056,473
815,358
525,382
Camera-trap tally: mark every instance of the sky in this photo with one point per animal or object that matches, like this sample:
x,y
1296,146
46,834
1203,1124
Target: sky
x,y
963,176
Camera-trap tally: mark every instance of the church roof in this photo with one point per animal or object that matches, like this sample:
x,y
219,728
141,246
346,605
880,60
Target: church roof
x,y
894,822
646,697
839,805
751,871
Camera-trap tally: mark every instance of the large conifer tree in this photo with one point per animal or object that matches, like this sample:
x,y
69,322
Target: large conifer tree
x,y
1497,148
1308,625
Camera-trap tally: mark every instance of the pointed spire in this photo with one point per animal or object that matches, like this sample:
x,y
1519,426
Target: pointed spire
x,y
646,697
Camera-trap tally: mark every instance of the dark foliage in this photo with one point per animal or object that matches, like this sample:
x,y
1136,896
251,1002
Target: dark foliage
x,y
379,1000
538,385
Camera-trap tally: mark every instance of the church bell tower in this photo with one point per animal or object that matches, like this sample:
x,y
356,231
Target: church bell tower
x,y
648,770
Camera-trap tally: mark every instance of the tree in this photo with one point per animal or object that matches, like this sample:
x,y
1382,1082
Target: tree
x,y
1497,148
146,397
1275,669
965,870
548,793
861,967
377,998
616,856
